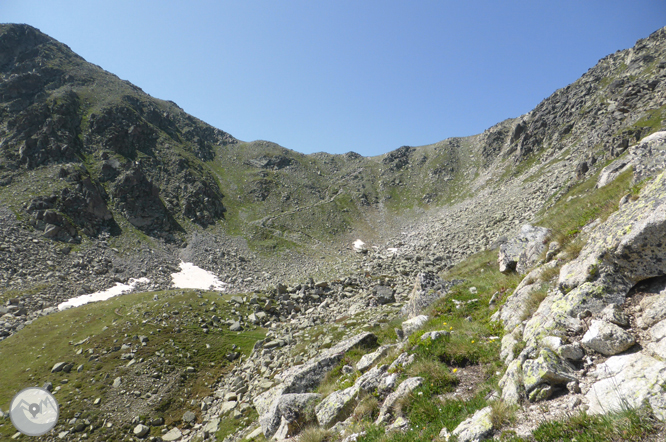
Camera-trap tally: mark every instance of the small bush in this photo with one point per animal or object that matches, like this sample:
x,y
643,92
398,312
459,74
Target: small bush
x,y
502,414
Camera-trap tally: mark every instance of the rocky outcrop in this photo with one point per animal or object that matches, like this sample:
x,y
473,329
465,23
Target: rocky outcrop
x,y
476,428
427,289
522,251
302,379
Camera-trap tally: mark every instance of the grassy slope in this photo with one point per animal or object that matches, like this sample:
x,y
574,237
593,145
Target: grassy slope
x,y
29,355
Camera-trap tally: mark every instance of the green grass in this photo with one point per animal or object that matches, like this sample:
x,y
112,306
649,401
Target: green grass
x,y
29,356
626,426
582,204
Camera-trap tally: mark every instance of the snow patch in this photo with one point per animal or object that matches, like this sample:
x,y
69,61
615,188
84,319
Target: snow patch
x,y
359,245
118,289
193,277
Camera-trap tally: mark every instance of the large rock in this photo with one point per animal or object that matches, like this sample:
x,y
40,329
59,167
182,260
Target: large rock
x,y
295,412
411,325
369,359
337,406
301,379
371,379
628,381
428,288
606,338
549,369
285,410
141,430
523,250
653,310
646,158
511,383
383,295
630,243
517,306
476,428
404,389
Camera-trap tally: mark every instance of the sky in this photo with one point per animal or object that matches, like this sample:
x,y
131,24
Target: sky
x,y
340,76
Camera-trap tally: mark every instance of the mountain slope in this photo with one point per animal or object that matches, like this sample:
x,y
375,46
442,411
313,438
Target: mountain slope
x,y
100,183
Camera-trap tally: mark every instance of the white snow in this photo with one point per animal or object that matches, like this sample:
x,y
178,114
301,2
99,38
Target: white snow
x,y
359,245
118,289
193,277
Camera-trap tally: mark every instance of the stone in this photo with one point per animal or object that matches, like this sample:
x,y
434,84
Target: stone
x,y
172,435
548,368
434,335
383,295
403,360
628,381
400,424
369,359
117,382
573,352
404,389
614,314
189,417
235,326
607,338
294,404
254,434
445,434
295,411
511,383
428,288
337,406
412,325
212,426
371,379
476,428
653,310
227,406
141,430
58,367
541,393
524,248
516,308
387,384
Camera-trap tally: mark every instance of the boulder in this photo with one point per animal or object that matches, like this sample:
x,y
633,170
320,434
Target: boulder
x,y
383,295
371,379
628,381
476,428
404,389
172,435
337,406
525,248
295,412
411,325
428,288
511,383
607,338
653,310
141,430
548,368
287,409
301,379
369,359
402,361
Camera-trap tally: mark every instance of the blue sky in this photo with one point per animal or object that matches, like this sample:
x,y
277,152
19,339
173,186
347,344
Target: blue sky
x,y
339,76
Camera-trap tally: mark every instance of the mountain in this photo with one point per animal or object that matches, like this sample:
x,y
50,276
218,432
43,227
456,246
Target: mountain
x,y
101,184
